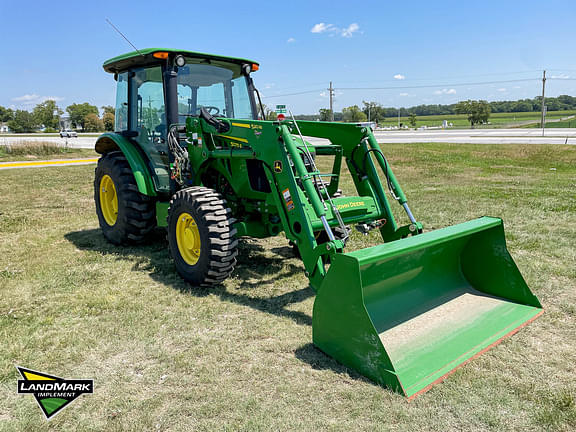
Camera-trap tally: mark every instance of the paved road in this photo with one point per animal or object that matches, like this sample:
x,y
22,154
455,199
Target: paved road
x,y
472,136
481,136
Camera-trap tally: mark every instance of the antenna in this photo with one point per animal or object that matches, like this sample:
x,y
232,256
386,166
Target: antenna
x,y
122,34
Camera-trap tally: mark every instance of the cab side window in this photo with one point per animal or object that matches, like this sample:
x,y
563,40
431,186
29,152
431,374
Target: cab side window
x,y
121,115
150,110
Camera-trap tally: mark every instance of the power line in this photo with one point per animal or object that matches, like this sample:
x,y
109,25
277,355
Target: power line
x,y
455,77
438,85
292,94
419,86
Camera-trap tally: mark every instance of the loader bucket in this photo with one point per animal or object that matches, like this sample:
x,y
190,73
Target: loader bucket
x,y
407,313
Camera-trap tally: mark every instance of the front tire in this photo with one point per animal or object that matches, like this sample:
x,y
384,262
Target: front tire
x,y
201,236
125,215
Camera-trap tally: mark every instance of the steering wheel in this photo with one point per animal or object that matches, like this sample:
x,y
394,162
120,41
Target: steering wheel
x,y
212,110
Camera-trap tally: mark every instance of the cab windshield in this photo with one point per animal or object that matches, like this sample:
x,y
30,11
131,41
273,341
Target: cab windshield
x,y
218,87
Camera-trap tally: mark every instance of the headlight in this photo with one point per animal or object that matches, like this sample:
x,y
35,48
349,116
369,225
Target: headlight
x,y
180,61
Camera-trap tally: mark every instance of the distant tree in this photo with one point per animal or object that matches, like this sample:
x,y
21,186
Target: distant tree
x,y
477,111
268,113
325,114
23,121
374,111
412,120
48,114
108,109
6,114
78,113
92,123
108,119
353,114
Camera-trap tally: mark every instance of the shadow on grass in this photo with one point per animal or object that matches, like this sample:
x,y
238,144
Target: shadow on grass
x,y
252,269
318,360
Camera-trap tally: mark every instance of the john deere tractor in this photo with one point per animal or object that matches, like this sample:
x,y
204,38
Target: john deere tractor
x,y
192,153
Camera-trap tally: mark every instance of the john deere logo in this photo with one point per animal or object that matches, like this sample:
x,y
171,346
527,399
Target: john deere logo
x,y
51,392
278,166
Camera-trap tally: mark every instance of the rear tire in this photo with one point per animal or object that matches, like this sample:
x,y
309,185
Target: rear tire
x,y
125,215
201,236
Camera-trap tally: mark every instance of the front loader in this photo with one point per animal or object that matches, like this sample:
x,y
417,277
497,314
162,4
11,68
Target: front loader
x,y
190,153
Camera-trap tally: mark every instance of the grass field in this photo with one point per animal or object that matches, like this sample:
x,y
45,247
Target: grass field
x,y
496,119
168,357
570,123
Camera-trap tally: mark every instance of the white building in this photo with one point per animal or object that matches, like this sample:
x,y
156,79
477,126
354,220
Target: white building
x,y
4,128
65,122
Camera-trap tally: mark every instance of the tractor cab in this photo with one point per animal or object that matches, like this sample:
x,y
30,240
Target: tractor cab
x,y
158,88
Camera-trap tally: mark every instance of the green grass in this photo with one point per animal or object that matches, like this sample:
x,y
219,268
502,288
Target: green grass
x,y
496,119
29,150
570,123
167,357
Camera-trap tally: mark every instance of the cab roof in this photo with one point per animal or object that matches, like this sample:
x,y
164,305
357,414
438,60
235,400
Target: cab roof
x,y
145,57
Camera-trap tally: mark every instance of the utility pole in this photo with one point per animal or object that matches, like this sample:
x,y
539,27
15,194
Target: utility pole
x,y
398,118
543,121
331,90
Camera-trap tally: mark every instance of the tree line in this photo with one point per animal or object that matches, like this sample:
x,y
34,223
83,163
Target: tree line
x,y
46,115
376,112
86,116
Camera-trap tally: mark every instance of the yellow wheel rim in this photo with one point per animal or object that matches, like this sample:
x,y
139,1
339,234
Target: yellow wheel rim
x,y
108,200
188,238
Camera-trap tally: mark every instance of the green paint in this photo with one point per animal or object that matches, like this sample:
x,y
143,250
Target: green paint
x,y
145,55
408,312
162,213
142,174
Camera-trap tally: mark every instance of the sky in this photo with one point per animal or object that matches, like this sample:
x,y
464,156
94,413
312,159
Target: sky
x,y
420,52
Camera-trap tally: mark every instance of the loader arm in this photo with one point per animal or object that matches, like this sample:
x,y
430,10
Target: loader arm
x,y
404,313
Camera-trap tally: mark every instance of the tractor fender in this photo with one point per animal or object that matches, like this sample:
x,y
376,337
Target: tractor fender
x,y
109,142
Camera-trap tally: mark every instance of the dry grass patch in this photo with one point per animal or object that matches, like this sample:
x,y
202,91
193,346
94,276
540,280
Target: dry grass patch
x,y
26,150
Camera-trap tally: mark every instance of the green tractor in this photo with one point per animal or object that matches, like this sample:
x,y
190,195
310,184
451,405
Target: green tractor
x,y
192,153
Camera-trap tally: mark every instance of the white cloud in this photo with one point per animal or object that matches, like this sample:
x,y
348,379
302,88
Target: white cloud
x,y
332,30
26,98
32,99
445,92
399,77
350,30
560,76
290,40
502,89
323,28
404,94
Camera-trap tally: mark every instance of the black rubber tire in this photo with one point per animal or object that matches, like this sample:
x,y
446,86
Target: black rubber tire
x,y
136,212
217,235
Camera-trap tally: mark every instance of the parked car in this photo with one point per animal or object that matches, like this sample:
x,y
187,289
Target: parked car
x,y
68,133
